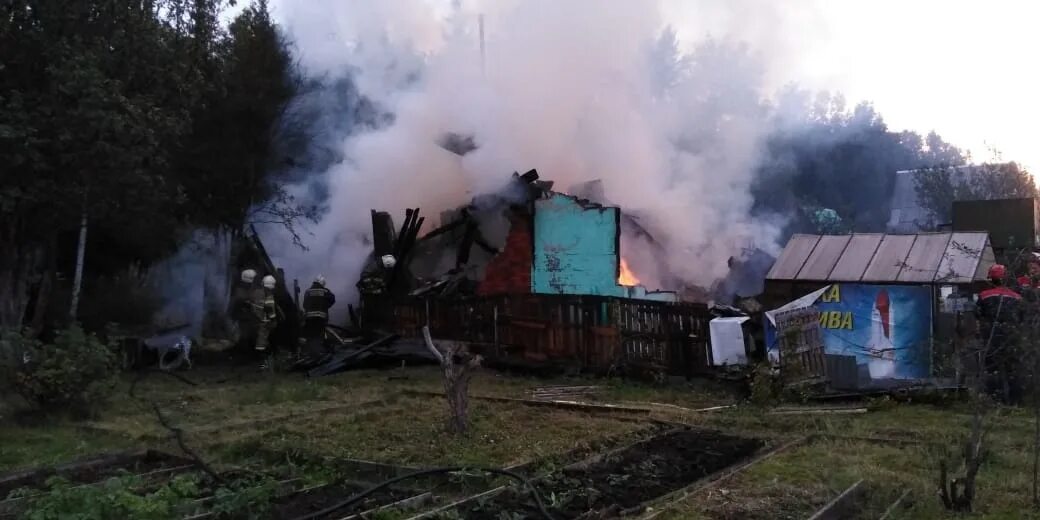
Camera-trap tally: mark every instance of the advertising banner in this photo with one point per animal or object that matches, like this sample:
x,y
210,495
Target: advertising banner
x,y
884,329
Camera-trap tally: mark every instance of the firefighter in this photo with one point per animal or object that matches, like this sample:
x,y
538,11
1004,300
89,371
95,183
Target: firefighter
x,y
271,315
1029,283
1000,315
245,310
316,304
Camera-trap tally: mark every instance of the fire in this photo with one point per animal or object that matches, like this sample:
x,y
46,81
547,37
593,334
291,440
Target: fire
x,y
627,277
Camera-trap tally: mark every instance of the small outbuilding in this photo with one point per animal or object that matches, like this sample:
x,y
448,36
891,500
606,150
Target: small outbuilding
x,y
888,306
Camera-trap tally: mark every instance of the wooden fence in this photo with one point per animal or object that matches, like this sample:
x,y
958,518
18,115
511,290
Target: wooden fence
x,y
594,332
802,358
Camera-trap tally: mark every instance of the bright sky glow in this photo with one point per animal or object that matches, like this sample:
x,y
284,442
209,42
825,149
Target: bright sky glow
x,y
965,68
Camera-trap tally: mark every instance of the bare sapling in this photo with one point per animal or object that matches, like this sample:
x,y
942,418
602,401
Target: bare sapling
x,y
458,366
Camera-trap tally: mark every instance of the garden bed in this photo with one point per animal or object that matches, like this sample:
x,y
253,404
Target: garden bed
x,y
96,469
311,500
624,479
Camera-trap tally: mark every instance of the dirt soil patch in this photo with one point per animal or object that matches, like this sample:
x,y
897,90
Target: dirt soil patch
x,y
622,479
318,498
91,471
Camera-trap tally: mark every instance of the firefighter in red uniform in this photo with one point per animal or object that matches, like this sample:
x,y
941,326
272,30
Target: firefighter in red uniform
x,y
1029,283
1000,315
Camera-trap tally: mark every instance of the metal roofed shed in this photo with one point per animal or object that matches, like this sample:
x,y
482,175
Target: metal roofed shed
x,y
928,258
850,278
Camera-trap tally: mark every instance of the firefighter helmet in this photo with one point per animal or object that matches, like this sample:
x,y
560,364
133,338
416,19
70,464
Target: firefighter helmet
x,y
269,282
248,276
997,272
320,280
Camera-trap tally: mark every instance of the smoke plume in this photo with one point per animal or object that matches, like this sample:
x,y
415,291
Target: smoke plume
x,y
580,90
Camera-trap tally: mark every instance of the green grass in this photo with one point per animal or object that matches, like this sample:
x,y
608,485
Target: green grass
x,y
232,416
795,483
22,446
412,432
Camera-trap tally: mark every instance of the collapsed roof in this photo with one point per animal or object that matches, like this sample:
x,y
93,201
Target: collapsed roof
x,y
577,252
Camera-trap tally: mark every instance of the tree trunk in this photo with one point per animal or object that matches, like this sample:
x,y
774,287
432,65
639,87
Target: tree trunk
x,y
77,283
16,267
458,366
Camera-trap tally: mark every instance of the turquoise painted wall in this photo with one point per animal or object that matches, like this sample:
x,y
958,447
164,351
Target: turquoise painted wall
x,y
575,251
575,248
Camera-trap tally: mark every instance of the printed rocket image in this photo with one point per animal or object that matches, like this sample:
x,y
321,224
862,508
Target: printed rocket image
x,y
880,348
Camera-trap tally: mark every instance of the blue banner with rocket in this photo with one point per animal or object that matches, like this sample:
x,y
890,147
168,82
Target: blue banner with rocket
x,y
886,328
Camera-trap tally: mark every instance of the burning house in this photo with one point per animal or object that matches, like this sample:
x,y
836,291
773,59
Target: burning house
x,y
535,276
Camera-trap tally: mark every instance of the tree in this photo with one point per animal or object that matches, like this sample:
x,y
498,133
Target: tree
x,y
823,156
81,97
938,188
458,365
230,166
229,163
147,117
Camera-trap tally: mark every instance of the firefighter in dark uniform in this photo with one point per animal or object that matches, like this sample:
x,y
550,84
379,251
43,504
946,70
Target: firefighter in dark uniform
x,y
317,301
271,316
1000,317
245,309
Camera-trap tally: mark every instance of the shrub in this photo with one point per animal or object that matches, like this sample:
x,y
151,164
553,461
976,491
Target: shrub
x,y
765,385
117,497
76,372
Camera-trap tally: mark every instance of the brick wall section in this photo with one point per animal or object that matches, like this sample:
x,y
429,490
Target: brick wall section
x,y
509,272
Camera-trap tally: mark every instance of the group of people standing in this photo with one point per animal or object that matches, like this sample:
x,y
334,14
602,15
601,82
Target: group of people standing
x,y
255,310
1009,318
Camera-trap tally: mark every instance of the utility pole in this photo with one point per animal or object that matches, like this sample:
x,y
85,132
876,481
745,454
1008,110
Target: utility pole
x,y
483,53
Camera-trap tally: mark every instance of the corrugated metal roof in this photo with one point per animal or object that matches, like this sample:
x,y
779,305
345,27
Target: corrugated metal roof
x,y
889,258
827,252
793,257
961,259
921,258
856,258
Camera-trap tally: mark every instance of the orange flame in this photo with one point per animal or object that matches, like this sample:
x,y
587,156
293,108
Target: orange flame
x,y
627,277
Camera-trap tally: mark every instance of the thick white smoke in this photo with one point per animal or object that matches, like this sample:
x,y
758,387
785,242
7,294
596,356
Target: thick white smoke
x,y
580,90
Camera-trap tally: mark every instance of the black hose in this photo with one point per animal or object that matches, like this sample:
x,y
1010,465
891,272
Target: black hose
x,y
433,471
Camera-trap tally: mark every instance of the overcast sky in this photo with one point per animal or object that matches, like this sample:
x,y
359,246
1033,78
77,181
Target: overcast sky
x,y
966,68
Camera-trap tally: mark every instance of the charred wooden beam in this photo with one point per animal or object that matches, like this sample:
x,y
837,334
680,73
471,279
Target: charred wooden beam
x,y
383,235
409,215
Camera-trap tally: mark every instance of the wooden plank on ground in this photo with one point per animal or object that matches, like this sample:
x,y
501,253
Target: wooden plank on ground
x,y
844,505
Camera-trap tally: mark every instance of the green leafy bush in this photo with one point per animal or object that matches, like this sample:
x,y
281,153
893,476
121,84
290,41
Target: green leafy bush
x,y
76,372
117,497
765,385
130,496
